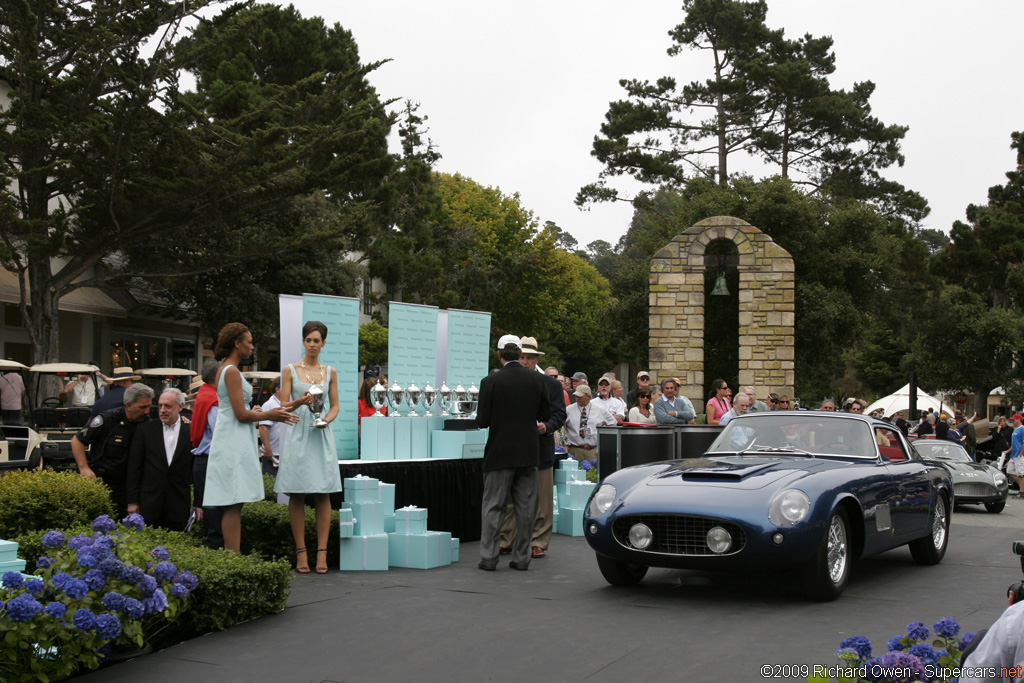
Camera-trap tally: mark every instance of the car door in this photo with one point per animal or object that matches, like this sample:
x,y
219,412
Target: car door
x,y
913,507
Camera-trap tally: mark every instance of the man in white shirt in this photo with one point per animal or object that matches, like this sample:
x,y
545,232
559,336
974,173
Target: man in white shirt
x,y
615,406
581,422
272,433
740,404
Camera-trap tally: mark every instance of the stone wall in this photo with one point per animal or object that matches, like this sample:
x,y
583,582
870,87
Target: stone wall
x,y
766,305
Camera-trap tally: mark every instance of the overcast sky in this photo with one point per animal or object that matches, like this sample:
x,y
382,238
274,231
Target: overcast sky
x,y
515,92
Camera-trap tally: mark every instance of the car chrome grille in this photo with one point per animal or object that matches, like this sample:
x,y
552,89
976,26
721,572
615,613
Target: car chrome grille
x,y
973,489
678,534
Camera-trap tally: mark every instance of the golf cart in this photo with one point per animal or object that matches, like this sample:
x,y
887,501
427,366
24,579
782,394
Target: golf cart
x,y
18,443
260,381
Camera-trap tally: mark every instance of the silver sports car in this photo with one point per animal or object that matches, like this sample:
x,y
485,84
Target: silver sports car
x,y
973,482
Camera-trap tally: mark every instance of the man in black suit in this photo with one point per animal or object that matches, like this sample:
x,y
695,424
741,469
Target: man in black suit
x,y
511,403
544,518
160,467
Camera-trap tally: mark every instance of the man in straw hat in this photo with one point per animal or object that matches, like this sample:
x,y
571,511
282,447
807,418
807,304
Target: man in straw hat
x,y
120,380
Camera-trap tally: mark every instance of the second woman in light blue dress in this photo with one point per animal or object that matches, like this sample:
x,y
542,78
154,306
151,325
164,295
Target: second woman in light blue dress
x,y
310,462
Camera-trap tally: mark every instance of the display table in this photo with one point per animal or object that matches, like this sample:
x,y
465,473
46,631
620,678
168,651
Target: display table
x,y
625,446
451,489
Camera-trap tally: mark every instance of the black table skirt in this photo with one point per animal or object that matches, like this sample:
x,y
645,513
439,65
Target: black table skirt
x,y
451,490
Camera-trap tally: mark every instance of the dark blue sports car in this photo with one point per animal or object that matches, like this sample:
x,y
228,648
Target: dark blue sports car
x,y
809,490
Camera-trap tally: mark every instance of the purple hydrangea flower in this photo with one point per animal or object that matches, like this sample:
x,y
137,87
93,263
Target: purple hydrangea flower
x,y
585,465
112,567
917,630
907,662
43,562
87,559
104,524
155,604
179,590
164,571
23,608
95,579
103,541
160,553
53,539
79,541
108,626
859,644
60,579
133,574
148,585
966,640
13,580
925,653
34,586
113,602
187,579
134,521
895,643
56,609
76,588
84,620
133,608
948,628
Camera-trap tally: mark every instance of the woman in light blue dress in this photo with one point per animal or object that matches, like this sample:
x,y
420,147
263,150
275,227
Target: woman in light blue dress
x,y
310,462
234,475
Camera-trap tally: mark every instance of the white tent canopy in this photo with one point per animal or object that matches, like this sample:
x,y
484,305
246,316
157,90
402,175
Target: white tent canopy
x,y
900,400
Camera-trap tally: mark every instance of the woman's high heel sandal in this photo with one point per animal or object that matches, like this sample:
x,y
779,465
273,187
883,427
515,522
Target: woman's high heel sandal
x,y
299,568
319,569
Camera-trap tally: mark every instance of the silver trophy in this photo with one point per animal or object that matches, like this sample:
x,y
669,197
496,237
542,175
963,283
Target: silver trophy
x,y
461,407
474,400
444,396
379,397
429,396
318,406
414,396
396,397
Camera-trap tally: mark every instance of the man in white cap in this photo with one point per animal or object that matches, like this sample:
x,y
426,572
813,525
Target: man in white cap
x,y
615,406
643,380
512,401
544,518
581,422
120,380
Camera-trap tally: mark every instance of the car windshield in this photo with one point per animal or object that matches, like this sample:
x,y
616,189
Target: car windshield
x,y
790,432
930,449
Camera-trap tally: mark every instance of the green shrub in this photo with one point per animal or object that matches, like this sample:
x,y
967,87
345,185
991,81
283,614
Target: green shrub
x,y
232,588
268,488
43,500
266,531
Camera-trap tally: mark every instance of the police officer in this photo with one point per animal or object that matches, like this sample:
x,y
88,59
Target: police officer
x,y
108,436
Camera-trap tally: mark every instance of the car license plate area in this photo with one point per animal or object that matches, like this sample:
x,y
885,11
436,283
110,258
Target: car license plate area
x,y
678,534
973,489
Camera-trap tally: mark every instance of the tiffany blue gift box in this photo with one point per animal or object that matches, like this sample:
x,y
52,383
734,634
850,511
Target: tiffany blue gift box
x,y
420,551
568,464
411,520
361,490
369,518
570,522
364,553
576,495
12,566
346,522
455,550
386,495
389,523
8,551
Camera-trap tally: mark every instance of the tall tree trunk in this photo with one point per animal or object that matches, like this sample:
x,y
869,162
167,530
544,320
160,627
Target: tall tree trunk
x,y
44,314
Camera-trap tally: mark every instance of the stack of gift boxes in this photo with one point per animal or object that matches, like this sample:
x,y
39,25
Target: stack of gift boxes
x,y
9,561
375,536
572,491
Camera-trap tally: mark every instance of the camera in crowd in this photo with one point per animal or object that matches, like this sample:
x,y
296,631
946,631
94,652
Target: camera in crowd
x,y
1015,593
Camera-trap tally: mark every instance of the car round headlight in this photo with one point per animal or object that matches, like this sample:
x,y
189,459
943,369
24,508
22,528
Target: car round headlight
x,y
602,500
640,536
789,507
719,540
999,479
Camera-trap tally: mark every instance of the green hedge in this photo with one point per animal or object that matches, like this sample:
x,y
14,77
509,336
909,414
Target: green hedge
x,y
232,588
266,531
44,500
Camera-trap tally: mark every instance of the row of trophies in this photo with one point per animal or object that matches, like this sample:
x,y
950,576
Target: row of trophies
x,y
458,402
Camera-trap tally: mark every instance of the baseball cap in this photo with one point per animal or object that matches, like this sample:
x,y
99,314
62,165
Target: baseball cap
x,y
509,339
643,373
582,390
580,376
1017,416
604,380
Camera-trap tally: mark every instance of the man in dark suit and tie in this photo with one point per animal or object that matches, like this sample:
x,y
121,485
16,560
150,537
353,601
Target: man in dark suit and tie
x,y
160,467
511,403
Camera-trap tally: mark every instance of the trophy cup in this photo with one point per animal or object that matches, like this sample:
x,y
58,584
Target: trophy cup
x,y
379,397
429,396
445,398
460,402
318,406
396,396
414,396
474,400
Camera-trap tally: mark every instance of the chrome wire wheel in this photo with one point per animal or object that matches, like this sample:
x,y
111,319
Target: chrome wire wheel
x,y
837,549
939,524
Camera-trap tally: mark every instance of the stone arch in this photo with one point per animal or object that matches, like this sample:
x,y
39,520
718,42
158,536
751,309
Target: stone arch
x,y
766,309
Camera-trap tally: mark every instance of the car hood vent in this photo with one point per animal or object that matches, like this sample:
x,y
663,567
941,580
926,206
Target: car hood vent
x,y
747,472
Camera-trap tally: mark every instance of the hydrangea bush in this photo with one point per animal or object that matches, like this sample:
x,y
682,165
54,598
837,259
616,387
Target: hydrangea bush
x,y
909,657
590,467
91,594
